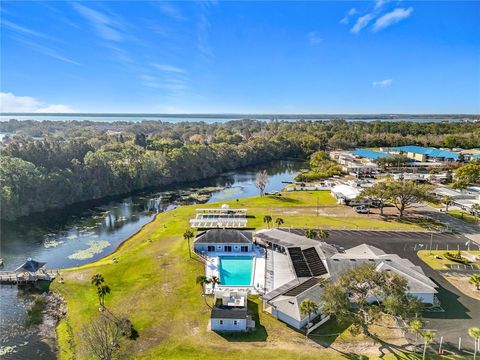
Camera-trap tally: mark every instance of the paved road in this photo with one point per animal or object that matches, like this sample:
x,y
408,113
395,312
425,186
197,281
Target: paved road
x,y
461,312
470,231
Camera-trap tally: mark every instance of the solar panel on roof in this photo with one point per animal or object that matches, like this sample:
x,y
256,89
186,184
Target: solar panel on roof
x,y
297,290
316,265
299,264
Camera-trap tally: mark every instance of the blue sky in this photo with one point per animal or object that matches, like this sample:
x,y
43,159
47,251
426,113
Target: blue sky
x,y
241,57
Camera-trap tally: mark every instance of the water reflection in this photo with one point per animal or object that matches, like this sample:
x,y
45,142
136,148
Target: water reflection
x,y
94,229
86,232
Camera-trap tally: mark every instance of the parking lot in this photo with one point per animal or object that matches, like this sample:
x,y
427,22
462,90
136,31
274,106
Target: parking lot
x,y
460,311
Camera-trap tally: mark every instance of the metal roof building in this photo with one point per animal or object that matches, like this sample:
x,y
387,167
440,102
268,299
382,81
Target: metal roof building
x,y
369,154
429,152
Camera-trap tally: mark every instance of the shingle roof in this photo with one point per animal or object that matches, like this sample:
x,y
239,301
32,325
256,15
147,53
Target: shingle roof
x,y
31,266
225,312
223,236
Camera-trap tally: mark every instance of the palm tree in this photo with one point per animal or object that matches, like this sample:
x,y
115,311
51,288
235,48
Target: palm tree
x,y
214,281
474,332
475,280
101,292
203,280
447,200
278,222
322,234
308,307
475,208
267,219
97,280
415,326
427,337
187,235
311,234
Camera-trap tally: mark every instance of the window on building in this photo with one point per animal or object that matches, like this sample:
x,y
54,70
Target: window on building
x,y
211,248
228,248
235,322
221,322
244,249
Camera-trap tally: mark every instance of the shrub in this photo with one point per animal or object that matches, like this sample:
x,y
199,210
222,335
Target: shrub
x,y
35,314
456,257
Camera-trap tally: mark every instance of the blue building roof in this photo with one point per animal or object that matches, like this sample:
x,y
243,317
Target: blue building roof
x,y
431,152
369,154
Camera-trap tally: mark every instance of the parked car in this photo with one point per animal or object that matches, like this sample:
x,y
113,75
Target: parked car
x,y
362,209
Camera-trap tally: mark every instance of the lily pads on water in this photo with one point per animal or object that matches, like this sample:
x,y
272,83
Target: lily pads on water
x,y
95,247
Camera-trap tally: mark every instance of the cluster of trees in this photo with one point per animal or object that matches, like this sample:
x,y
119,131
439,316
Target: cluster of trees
x,y
37,175
467,175
402,194
321,167
50,164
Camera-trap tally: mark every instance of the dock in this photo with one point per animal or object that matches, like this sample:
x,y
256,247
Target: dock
x,y
15,278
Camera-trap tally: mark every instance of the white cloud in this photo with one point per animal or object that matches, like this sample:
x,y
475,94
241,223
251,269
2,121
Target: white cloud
x,y
346,19
56,108
23,30
169,68
314,38
361,22
380,3
382,83
170,11
12,103
47,51
391,18
106,27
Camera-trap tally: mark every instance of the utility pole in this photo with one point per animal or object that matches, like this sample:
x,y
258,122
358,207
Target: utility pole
x,y
431,242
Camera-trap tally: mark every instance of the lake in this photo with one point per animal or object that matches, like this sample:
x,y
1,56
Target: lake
x,y
210,118
84,233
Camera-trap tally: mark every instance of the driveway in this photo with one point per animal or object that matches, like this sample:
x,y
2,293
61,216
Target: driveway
x,y
461,311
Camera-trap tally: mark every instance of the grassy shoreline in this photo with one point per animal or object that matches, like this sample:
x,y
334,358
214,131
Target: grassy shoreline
x,y
153,282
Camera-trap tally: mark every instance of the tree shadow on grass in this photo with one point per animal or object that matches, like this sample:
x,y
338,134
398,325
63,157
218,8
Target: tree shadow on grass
x,y
285,199
259,334
327,333
422,221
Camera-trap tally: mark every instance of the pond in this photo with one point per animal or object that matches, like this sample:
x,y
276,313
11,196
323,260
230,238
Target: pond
x,y
84,233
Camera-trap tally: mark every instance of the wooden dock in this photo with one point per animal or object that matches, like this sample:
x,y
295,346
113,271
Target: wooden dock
x,y
13,278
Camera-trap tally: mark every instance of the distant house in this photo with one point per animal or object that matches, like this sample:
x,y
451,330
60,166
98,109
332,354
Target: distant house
x,y
297,265
230,312
345,193
464,199
223,240
426,154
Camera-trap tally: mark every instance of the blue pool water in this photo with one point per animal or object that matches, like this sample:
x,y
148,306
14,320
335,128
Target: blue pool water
x,y
236,270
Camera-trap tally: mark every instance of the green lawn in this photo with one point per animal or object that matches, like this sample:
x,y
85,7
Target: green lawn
x,y
462,216
430,258
153,283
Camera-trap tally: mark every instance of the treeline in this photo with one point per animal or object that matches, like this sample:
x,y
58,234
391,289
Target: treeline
x,y
51,164
46,174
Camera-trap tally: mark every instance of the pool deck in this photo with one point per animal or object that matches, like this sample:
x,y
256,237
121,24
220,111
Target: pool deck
x,y
258,284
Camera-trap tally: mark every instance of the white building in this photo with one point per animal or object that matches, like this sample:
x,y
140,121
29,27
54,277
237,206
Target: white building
x,y
297,264
220,218
345,193
230,312
223,240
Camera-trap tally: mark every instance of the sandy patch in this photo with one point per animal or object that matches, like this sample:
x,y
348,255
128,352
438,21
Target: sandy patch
x,y
462,284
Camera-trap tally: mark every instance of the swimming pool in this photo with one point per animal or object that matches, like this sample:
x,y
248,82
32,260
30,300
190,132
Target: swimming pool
x,y
236,270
